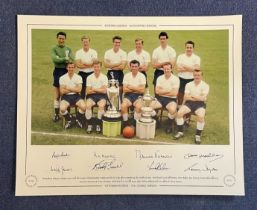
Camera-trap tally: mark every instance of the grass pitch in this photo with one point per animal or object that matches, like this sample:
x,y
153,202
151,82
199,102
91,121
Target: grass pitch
x,y
211,46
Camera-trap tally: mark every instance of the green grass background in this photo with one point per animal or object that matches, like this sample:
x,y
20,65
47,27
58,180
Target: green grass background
x,y
211,46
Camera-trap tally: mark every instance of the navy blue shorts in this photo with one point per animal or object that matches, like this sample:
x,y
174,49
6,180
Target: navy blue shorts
x,y
144,73
84,76
84,82
58,72
71,99
132,97
182,84
117,74
97,97
194,105
157,73
164,101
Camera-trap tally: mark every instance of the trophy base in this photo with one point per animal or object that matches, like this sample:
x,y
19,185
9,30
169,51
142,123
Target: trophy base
x,y
145,130
112,116
111,128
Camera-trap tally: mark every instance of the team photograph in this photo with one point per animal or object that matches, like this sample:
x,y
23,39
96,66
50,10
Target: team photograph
x,y
127,87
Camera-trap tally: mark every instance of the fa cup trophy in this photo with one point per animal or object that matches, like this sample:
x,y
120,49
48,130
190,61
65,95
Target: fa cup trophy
x,y
145,126
146,110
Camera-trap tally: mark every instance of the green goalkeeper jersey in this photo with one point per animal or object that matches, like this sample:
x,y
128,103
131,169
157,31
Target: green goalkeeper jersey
x,y
61,55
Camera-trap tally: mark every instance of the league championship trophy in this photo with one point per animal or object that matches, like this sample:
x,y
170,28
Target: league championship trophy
x,y
112,117
145,128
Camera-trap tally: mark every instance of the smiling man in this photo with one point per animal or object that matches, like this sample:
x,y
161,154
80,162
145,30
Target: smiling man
x,y
133,87
115,60
84,62
196,93
166,94
186,64
70,87
140,55
162,55
96,95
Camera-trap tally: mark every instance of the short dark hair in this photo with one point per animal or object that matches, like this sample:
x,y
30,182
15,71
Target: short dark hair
x,y
134,62
61,33
198,70
190,42
167,64
95,62
163,34
116,37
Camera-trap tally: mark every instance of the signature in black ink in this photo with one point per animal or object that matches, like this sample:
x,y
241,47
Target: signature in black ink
x,y
156,154
60,169
60,155
196,168
159,166
211,156
107,164
110,156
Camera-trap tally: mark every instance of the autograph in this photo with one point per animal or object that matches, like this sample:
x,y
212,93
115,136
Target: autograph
x,y
159,166
196,168
107,164
210,156
60,169
60,155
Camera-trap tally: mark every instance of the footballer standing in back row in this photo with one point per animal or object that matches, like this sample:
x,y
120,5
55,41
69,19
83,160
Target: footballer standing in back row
x,y
140,55
60,55
162,55
186,64
115,60
84,62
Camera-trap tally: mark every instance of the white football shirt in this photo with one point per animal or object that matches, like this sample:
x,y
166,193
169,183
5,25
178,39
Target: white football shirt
x,y
115,57
189,61
70,82
168,84
163,55
136,81
143,57
197,90
86,57
97,82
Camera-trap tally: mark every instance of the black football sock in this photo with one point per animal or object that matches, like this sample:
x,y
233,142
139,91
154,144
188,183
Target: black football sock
x,y
57,111
198,132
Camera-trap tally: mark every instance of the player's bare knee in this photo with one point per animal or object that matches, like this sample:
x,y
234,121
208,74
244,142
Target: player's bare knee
x,y
124,107
83,107
172,110
88,105
180,114
101,106
63,108
200,119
